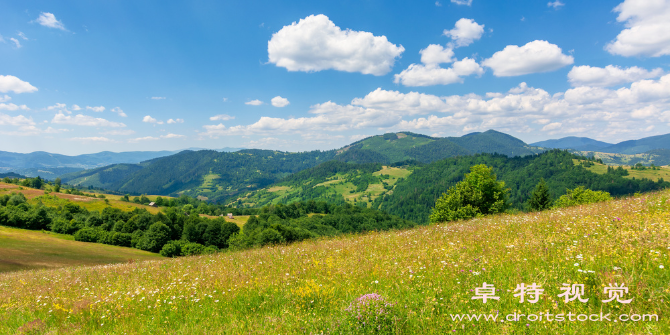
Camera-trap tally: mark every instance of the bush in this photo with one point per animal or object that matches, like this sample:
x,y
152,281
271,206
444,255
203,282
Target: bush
x,y
191,249
171,250
155,238
86,235
478,194
581,196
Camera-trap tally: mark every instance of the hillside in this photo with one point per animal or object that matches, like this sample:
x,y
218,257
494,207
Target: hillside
x,y
640,146
25,249
223,176
420,279
573,142
413,198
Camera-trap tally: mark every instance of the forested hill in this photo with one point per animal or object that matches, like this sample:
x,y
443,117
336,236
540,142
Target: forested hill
x,y
413,197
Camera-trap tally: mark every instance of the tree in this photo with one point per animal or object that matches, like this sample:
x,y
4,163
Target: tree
x,y
57,183
155,238
540,199
478,194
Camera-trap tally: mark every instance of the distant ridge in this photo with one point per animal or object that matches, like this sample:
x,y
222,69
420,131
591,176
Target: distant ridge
x,y
573,142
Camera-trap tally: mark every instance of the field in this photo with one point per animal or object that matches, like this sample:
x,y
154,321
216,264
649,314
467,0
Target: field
x,y
26,249
403,282
337,184
90,203
654,175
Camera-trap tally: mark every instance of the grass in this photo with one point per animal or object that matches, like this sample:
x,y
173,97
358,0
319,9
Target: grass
x,y
423,275
26,249
336,184
654,175
239,220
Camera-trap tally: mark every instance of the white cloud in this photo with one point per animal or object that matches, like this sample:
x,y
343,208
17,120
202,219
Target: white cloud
x,y
462,2
22,35
31,130
17,44
153,138
85,120
221,117
171,121
647,30
555,4
465,32
587,95
76,107
552,126
5,98
57,106
436,54
428,75
254,102
16,85
149,119
315,43
98,109
279,102
49,20
19,120
158,98
609,75
438,4
13,107
536,56
119,111
119,132
92,139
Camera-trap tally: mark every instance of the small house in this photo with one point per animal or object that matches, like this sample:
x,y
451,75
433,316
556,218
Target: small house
x,y
230,216
153,204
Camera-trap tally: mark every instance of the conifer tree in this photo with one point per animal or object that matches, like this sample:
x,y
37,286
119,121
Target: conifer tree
x,y
540,199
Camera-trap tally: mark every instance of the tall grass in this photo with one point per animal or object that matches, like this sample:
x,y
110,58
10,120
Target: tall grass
x,y
394,282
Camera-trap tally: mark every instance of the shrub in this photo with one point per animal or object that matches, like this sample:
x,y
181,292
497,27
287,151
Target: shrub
x,y
86,235
155,238
171,250
478,194
191,249
581,196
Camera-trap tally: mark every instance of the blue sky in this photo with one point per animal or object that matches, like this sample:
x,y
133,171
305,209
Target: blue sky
x,y
87,76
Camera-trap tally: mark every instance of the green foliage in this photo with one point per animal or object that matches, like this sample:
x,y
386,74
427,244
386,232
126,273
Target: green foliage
x,y
155,238
478,194
581,196
540,199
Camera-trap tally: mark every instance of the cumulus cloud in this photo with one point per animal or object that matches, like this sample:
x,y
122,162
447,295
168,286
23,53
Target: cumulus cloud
x,y
49,20
647,30
5,98
609,75
19,120
98,109
16,85
221,117
76,107
428,75
536,56
555,4
173,121
279,102
465,32
462,2
119,111
85,120
149,119
436,54
13,107
254,102
315,43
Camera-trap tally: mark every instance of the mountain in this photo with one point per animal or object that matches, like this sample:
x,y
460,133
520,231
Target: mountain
x,y
50,166
573,142
640,146
220,176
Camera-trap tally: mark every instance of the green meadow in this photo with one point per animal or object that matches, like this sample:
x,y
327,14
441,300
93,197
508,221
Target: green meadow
x,y
399,282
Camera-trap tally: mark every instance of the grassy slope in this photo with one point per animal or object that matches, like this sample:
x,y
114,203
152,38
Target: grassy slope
x,y
654,175
34,195
26,249
428,273
335,184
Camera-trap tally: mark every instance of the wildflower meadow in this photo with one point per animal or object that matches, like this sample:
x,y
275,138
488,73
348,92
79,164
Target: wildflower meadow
x,y
428,280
